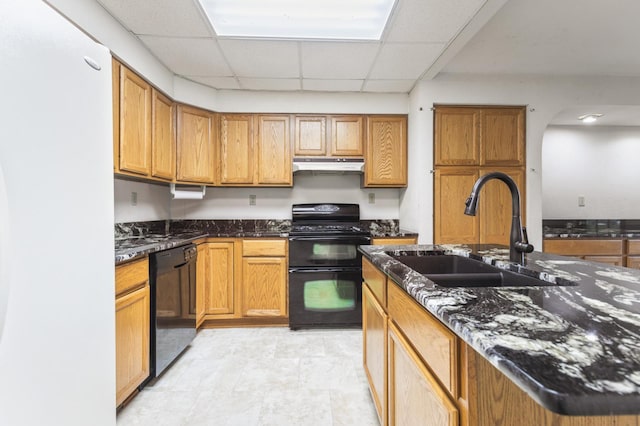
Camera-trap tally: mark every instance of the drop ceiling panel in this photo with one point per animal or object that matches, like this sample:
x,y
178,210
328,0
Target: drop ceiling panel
x,y
261,58
332,85
399,61
181,18
217,82
337,60
189,56
431,20
270,83
389,86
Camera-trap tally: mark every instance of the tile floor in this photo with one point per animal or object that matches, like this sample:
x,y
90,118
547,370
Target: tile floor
x,y
260,377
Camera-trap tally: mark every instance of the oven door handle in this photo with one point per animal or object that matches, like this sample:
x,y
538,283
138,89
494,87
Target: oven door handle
x,y
316,270
331,237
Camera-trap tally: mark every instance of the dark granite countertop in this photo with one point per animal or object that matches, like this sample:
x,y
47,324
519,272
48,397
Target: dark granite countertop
x,y
573,349
137,239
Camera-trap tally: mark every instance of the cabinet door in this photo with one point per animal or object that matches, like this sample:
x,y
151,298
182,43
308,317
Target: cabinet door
x,y
633,262
163,137
414,394
201,281
386,154
310,136
610,260
132,341
135,123
217,273
494,210
195,147
115,114
452,188
236,149
274,150
503,136
264,287
392,241
346,136
374,335
456,136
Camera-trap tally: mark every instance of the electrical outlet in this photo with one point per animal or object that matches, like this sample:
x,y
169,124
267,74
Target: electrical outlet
x,y
372,198
252,200
134,198
581,202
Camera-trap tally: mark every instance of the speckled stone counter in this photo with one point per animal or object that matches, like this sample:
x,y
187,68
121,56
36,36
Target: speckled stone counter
x,y
574,349
137,239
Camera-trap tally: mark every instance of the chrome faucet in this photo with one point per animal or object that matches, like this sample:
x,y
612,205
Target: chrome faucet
x,y
518,240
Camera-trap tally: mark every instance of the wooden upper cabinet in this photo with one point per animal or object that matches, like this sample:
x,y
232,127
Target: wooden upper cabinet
x,y
457,136
115,93
346,136
451,225
386,153
135,123
274,151
236,149
195,145
494,210
163,137
310,136
503,136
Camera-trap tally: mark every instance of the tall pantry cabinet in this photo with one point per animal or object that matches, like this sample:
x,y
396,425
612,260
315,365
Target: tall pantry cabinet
x,y
469,142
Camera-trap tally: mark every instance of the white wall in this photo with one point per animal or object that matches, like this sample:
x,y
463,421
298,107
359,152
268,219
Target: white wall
x,y
544,97
599,163
57,350
275,203
152,201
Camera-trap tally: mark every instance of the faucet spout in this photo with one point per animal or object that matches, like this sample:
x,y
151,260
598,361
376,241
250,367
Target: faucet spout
x,y
518,239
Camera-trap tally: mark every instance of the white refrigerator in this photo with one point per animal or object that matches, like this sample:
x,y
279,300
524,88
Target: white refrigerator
x,y
57,356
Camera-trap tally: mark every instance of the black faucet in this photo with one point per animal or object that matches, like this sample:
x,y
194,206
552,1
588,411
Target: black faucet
x,y
518,240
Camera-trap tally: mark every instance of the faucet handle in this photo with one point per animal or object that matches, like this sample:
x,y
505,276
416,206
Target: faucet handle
x,y
524,246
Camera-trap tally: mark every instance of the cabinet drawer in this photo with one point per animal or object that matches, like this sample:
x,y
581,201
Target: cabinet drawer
x,y
264,247
376,280
579,247
434,342
131,275
633,246
395,241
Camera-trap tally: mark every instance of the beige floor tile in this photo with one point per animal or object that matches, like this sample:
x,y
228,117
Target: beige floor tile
x,y
260,377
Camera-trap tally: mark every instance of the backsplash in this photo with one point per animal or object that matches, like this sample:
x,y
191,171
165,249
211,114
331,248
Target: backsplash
x,y
377,227
566,228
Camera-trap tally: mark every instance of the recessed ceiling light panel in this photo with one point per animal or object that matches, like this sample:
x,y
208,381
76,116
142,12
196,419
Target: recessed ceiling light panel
x,y
299,19
589,118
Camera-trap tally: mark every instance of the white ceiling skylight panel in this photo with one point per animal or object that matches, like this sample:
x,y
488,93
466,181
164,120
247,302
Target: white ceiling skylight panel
x,y
299,19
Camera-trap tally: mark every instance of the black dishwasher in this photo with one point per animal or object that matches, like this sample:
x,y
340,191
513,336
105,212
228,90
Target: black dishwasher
x,y
172,276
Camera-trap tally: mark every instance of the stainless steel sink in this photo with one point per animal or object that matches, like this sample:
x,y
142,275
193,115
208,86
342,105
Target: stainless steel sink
x,y
458,271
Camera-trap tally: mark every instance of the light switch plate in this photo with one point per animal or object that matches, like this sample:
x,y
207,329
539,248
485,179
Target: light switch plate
x,y
581,202
372,198
134,198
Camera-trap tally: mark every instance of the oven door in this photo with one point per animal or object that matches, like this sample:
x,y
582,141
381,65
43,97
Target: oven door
x,y
325,297
326,251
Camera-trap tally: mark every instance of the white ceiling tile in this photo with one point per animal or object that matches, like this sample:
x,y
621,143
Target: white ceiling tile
x,y
389,86
181,18
216,82
189,56
262,58
332,85
337,60
399,61
270,83
431,21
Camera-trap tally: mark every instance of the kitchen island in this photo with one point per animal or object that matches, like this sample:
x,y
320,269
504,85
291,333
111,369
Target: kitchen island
x,y
572,346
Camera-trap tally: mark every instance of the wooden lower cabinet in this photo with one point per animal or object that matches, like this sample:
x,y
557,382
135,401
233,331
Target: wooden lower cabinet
x,y
132,305
374,327
433,378
415,397
242,282
264,278
610,251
